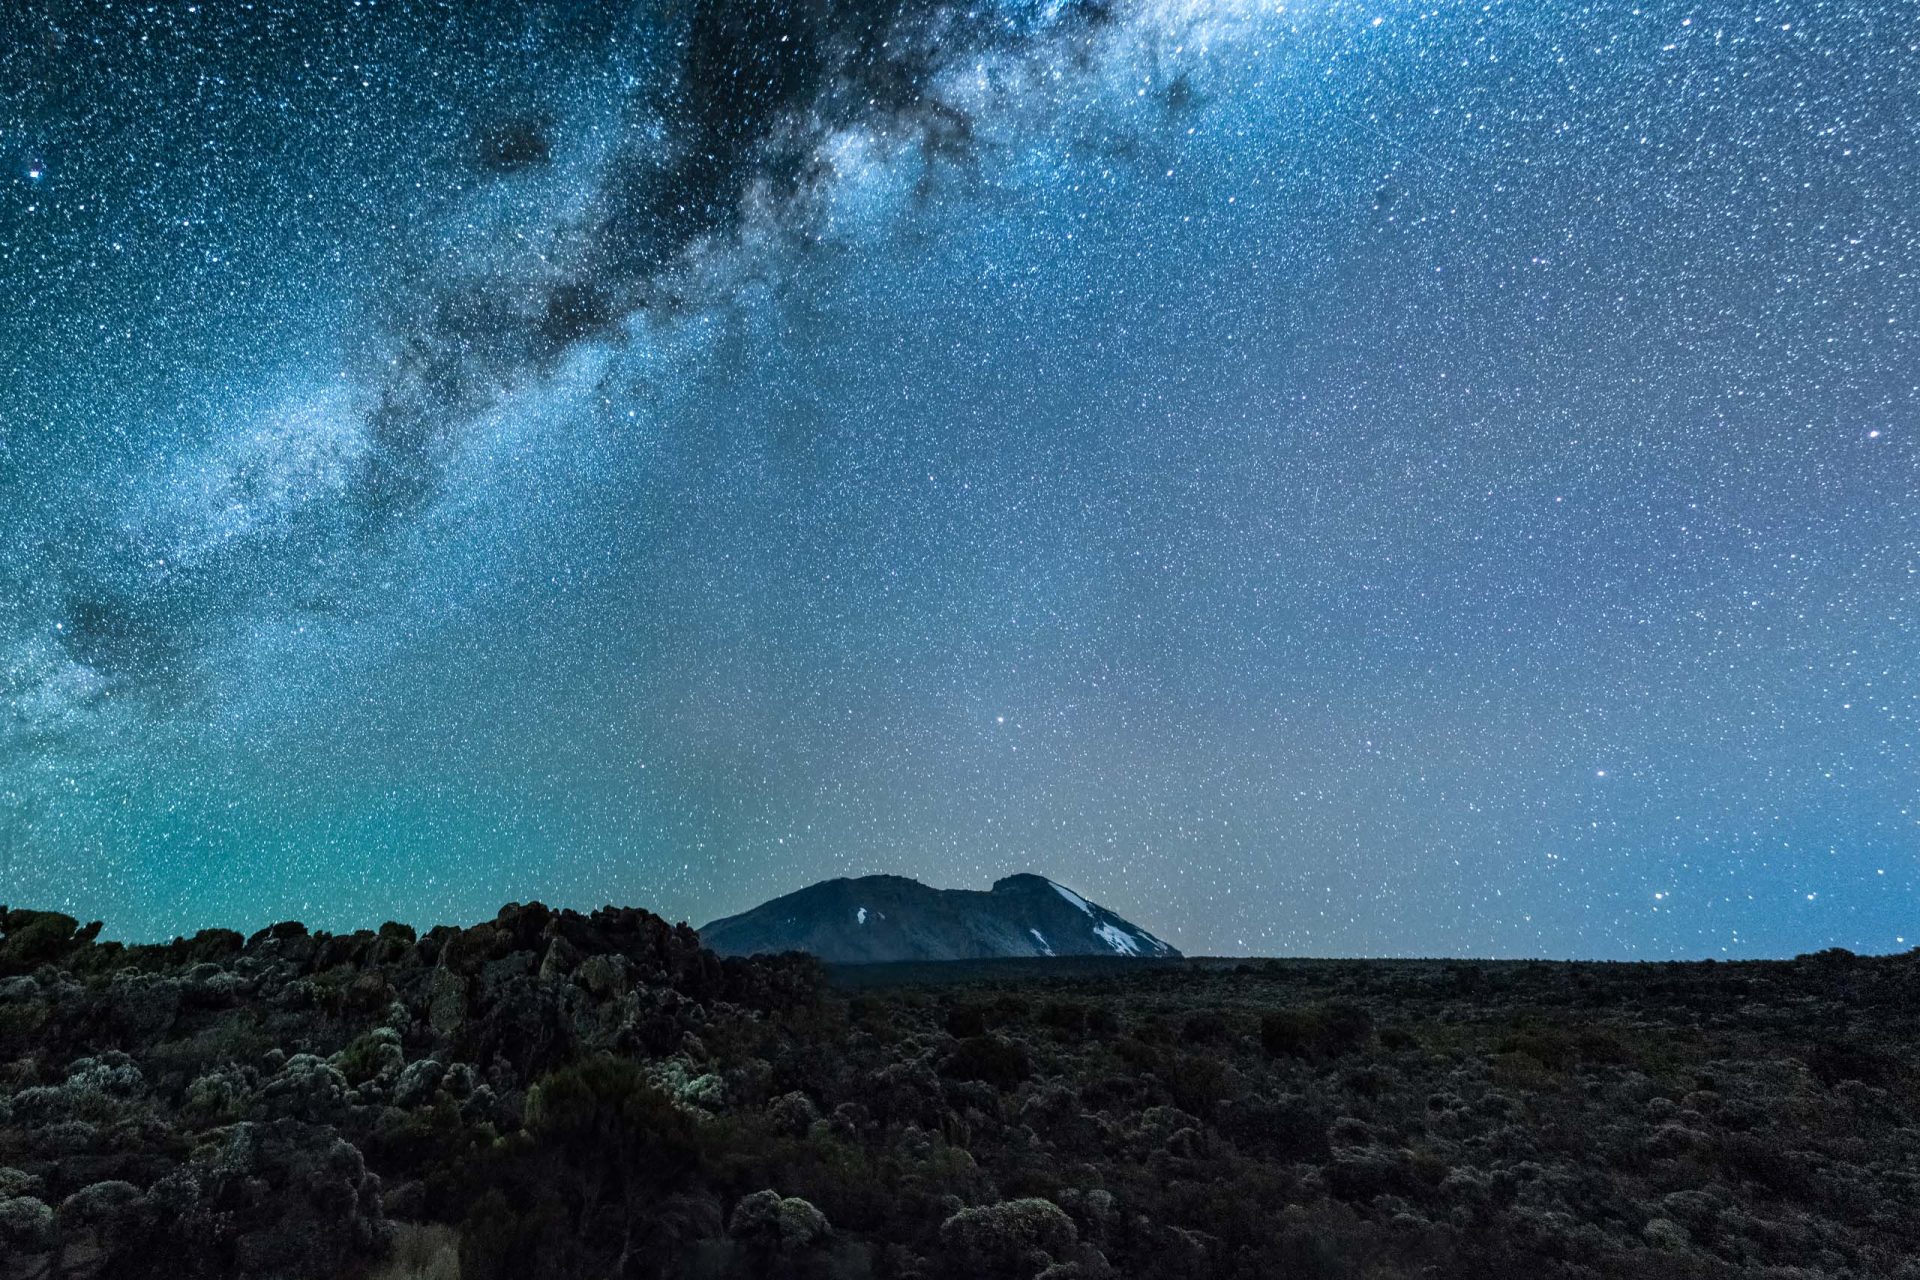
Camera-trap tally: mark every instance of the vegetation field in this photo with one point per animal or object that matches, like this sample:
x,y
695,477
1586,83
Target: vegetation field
x,y
551,1094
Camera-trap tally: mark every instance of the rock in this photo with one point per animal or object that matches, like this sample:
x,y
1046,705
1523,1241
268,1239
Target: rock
x,y
287,942
391,943
465,950
560,959
603,976
446,1002
368,991
497,975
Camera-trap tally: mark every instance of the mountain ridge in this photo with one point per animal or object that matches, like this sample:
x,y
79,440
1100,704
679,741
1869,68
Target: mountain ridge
x,y
887,918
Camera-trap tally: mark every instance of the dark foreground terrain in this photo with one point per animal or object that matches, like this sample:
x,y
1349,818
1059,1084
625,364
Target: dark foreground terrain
x,y
550,1094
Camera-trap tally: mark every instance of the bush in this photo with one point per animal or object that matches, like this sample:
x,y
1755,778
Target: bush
x,y
601,1150
1199,1083
421,1252
32,938
1205,1027
1289,1033
995,1060
1398,1039
965,1020
779,1224
1325,1031
1014,1238
1832,1062
1347,1028
1063,1015
1284,1130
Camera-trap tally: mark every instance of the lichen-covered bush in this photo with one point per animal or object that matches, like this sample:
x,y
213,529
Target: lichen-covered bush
x,y
1015,1238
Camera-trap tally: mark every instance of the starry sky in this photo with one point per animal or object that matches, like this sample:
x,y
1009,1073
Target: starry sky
x,y
1334,478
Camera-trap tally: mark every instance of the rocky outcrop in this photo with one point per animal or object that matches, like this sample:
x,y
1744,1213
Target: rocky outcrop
x,y
205,1107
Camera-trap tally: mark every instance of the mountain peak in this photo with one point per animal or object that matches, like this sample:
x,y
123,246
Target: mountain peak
x,y
881,918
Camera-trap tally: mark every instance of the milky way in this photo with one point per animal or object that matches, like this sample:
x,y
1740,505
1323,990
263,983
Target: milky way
x,y
1348,479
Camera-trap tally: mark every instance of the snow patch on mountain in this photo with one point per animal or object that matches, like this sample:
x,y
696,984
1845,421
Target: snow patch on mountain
x,y
1041,938
1119,939
1072,897
861,915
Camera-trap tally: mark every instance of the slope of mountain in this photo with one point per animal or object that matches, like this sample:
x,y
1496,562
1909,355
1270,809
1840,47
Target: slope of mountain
x,y
877,919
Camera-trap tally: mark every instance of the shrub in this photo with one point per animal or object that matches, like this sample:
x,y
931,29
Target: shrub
x,y
964,1020
33,937
1205,1027
1347,1027
1199,1083
995,1060
1289,1033
428,1251
1011,1006
1063,1015
602,1149
776,1223
375,1053
1367,1082
1014,1238
1551,1047
1834,1061
1284,1130
1328,1030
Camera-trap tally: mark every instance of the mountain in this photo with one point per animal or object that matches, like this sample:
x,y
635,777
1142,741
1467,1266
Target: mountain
x,y
875,919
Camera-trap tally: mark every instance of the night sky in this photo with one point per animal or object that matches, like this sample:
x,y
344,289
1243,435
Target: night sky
x,y
1331,478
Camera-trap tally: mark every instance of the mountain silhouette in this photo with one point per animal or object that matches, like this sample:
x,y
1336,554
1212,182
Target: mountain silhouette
x,y
878,919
